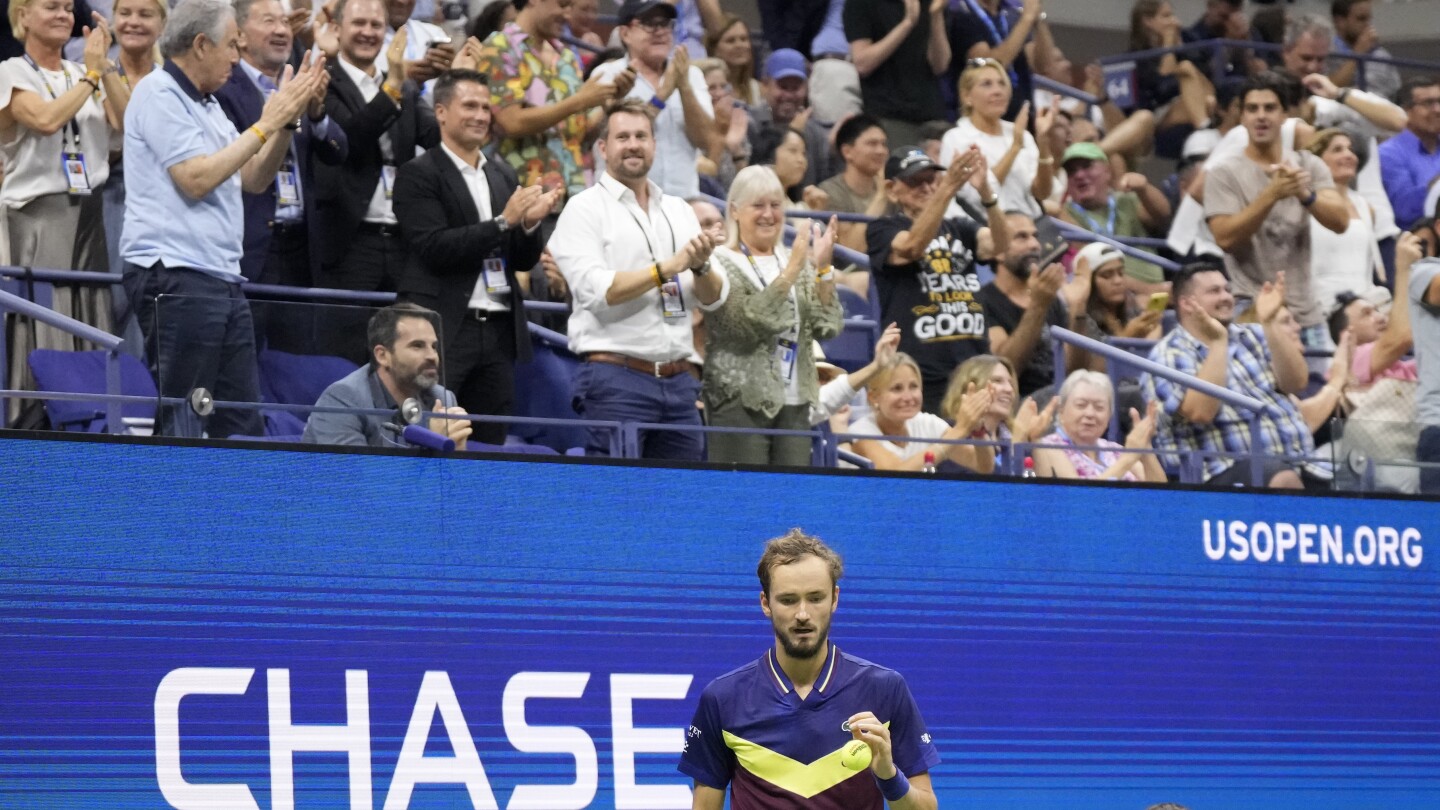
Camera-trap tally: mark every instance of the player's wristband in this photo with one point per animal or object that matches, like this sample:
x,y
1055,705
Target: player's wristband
x,y
894,788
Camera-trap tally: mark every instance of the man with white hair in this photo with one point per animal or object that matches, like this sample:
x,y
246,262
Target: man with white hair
x,y
184,221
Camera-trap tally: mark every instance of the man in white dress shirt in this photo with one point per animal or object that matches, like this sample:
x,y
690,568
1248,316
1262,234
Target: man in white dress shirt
x,y
665,79
635,259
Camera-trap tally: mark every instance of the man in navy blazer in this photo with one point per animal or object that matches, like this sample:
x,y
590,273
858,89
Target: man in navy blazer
x,y
279,244
469,230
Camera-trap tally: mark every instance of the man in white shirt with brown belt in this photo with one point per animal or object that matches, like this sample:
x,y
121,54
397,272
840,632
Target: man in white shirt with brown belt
x,y
636,259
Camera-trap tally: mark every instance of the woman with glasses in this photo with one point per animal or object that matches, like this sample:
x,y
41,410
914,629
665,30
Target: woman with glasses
x,y
759,357
1022,166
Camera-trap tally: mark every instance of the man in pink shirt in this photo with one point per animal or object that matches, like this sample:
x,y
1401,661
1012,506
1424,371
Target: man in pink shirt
x,y
1381,341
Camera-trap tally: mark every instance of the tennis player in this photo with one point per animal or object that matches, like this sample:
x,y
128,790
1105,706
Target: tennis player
x,y
775,729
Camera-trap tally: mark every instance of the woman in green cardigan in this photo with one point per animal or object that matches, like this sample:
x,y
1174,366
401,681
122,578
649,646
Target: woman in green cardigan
x,y
759,360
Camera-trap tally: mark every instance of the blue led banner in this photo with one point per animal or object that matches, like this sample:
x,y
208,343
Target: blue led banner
x,y
201,627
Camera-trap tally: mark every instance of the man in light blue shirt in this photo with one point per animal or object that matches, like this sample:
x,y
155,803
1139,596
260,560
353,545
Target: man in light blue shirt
x,y
186,167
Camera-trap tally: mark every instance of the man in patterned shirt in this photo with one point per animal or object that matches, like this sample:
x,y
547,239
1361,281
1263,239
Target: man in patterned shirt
x,y
539,101
775,729
1238,357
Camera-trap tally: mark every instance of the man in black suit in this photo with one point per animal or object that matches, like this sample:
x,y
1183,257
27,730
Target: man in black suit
x,y
278,245
385,121
469,229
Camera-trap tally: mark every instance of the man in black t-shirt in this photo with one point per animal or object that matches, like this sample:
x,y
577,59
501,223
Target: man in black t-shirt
x,y
924,264
1021,305
899,48
992,29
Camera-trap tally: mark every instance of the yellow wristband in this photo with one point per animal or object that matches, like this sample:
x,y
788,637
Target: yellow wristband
x,y
259,134
93,75
395,95
659,279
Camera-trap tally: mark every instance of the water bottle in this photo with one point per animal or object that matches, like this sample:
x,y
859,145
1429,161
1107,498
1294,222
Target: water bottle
x,y
929,462
1029,468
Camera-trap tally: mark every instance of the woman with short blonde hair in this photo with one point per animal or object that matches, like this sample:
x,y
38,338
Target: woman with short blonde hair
x,y
759,355
1022,168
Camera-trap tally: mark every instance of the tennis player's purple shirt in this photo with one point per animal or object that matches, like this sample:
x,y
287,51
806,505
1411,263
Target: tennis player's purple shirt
x,y
776,751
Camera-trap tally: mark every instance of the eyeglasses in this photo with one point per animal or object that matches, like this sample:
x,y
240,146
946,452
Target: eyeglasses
x,y
1432,103
655,26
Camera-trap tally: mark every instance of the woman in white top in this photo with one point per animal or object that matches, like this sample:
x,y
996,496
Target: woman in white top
x,y
1342,262
895,397
981,400
1021,166
56,123
759,348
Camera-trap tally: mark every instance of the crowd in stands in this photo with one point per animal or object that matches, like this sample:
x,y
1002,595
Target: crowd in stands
x,y
575,151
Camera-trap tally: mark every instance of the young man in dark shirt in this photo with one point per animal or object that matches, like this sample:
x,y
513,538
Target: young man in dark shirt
x,y
924,264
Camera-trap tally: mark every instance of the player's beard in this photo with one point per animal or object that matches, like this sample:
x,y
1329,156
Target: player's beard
x,y
804,650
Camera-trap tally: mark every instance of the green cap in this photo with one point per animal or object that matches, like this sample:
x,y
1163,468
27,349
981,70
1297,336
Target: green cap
x,y
1083,150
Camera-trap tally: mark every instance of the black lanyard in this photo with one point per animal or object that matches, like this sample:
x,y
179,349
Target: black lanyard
x,y
71,128
674,247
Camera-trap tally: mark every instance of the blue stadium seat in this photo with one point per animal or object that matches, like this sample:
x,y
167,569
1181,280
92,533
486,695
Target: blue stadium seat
x,y
84,373
295,379
544,388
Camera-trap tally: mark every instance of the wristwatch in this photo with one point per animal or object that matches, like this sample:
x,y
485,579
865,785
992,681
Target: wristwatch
x,y
501,223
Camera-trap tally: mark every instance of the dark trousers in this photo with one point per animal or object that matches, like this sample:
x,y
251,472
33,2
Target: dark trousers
x,y
480,369
754,448
1428,449
372,264
287,326
615,393
198,334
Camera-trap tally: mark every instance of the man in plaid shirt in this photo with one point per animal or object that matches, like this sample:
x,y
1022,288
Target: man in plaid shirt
x,y
1234,356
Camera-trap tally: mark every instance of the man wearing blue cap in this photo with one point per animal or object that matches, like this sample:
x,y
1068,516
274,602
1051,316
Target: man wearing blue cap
x,y
786,88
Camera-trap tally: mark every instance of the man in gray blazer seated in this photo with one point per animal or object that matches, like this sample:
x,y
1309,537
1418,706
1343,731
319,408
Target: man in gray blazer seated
x,y
404,364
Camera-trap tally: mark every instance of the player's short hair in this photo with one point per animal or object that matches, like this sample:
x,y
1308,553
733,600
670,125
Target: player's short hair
x,y
794,546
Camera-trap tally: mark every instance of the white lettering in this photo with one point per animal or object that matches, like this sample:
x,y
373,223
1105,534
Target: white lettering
x,y
1388,545
570,740
1332,544
1412,554
1216,550
1307,543
1284,540
436,694
1258,531
1364,545
1241,548
175,686
629,741
287,738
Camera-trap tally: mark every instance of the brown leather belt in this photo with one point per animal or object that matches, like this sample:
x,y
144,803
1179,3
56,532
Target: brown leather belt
x,y
669,369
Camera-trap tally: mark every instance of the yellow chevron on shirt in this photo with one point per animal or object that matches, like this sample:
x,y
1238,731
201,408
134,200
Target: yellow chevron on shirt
x,y
805,780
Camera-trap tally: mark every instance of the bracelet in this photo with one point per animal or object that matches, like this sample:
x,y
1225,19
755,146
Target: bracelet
x,y
293,125
93,76
825,271
657,103
992,202
1342,95
395,95
94,84
659,279
894,788
1047,161
1308,201
701,271
258,133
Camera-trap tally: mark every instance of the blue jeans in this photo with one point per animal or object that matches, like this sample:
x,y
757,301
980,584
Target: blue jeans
x,y
614,393
198,334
